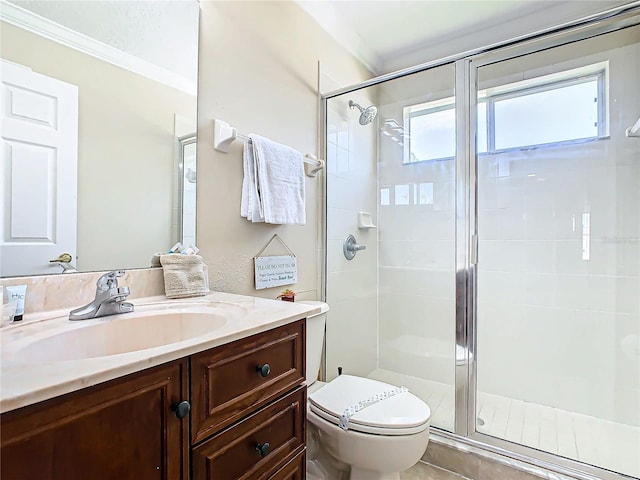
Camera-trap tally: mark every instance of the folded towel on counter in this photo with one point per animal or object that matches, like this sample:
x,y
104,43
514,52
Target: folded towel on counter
x,y
273,189
184,275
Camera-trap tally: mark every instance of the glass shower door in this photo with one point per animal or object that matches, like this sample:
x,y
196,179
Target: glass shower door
x,y
558,274
393,306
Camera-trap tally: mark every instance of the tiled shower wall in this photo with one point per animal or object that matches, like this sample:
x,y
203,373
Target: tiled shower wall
x,y
352,287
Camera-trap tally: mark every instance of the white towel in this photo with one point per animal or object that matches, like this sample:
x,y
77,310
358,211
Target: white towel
x,y
273,189
250,204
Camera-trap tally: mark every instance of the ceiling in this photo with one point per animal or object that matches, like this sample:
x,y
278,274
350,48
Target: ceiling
x,y
394,34
385,35
162,32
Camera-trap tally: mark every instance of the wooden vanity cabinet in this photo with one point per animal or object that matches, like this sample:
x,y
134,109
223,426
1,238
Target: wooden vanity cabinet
x,y
123,429
248,418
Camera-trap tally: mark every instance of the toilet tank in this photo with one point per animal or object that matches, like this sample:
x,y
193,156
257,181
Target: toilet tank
x,y
315,339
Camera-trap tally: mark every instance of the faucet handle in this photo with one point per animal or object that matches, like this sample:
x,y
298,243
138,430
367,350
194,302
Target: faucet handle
x,y
109,280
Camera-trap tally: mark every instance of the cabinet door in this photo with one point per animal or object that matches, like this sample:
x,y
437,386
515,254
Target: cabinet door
x,y
231,381
123,429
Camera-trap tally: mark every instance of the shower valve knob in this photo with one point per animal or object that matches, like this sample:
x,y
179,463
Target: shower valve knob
x,y
350,247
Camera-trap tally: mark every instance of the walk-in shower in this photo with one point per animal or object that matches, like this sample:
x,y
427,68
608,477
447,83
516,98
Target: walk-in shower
x,y
502,283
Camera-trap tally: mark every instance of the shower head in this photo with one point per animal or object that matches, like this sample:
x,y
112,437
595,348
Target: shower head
x,y
366,114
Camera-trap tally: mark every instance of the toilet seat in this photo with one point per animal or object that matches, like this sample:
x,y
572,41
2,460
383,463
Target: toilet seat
x,y
401,414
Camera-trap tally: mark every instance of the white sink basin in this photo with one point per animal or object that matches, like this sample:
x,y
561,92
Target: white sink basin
x,y
122,334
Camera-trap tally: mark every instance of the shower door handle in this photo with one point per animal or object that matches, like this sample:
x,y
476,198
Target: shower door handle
x,y
350,247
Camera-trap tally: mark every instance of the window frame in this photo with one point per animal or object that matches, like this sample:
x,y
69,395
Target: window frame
x,y
597,72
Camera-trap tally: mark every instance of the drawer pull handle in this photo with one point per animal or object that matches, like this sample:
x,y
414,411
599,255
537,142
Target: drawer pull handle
x,y
263,449
181,409
264,370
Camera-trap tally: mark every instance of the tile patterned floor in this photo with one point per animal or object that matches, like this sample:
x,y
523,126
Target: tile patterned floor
x,y
611,445
424,471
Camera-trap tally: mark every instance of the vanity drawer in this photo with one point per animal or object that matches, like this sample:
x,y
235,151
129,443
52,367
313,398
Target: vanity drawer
x,y
227,384
296,469
234,454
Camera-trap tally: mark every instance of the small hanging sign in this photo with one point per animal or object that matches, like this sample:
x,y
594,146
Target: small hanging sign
x,y
275,270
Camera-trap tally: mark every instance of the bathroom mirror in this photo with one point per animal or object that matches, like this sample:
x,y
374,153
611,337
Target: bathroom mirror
x,y
130,192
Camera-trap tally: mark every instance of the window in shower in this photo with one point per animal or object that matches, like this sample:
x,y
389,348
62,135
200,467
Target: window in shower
x,y
549,114
560,108
431,131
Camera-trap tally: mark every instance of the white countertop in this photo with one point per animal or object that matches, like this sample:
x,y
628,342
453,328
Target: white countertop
x,y
26,377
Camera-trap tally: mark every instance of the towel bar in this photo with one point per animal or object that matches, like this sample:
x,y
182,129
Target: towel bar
x,y
224,135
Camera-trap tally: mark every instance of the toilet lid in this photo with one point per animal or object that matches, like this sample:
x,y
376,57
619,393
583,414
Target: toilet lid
x,y
401,414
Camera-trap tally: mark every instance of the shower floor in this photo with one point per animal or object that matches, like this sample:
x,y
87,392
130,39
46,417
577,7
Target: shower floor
x,y
610,445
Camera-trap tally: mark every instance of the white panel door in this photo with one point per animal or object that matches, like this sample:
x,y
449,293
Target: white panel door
x,y
39,125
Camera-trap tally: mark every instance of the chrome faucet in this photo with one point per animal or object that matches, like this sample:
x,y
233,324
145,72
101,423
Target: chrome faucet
x,y
109,299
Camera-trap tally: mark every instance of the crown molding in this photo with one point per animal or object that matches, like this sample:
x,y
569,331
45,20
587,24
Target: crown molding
x,y
43,27
328,19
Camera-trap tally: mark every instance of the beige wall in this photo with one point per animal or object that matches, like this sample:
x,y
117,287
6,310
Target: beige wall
x,y
258,71
125,151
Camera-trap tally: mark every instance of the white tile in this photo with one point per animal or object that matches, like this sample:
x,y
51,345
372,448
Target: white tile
x,y
515,426
540,257
628,257
340,223
566,435
342,160
571,291
548,430
443,197
332,158
501,286
501,255
498,425
601,293
430,282
539,224
603,258
540,289
343,135
568,258
588,444
531,429
394,253
347,286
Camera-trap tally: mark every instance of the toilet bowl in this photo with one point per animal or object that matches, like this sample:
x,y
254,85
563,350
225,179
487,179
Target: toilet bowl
x,y
376,442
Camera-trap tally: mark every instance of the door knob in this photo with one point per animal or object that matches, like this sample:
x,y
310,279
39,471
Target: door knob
x,y
63,258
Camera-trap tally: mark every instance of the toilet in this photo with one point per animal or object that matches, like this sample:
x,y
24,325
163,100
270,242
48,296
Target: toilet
x,y
384,438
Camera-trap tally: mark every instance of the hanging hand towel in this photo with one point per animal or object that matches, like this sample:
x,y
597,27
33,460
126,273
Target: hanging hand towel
x,y
184,275
279,182
250,203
